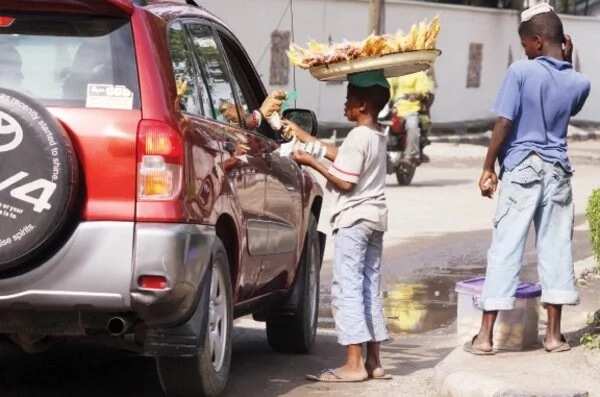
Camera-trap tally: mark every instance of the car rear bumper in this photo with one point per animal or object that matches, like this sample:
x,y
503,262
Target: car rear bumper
x,y
98,268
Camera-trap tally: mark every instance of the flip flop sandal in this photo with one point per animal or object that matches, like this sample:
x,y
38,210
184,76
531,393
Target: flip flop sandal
x,y
378,374
469,347
329,376
563,347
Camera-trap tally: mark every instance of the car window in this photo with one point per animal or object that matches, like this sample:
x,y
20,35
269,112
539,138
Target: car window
x,y
245,80
70,61
240,80
192,92
214,70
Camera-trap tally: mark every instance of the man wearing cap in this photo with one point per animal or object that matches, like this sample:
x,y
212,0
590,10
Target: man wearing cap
x,y
534,106
359,219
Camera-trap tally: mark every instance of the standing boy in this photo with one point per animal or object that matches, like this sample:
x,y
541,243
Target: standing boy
x,y
359,219
534,106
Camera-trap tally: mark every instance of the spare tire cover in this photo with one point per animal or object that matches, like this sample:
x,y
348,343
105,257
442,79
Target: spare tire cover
x,y
38,180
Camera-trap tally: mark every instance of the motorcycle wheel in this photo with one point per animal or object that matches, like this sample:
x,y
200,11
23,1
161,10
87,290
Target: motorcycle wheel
x,y
405,173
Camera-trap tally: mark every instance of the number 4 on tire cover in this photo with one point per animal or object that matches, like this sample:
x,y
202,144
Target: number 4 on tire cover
x,y
40,203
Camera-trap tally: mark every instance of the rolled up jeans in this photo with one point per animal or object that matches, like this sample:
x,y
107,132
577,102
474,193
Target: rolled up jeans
x,y
413,135
537,192
357,300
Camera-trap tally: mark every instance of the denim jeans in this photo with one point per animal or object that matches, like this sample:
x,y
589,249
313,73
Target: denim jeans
x,y
535,192
356,291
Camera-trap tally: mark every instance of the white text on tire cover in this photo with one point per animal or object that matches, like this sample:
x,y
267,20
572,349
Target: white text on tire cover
x,y
22,192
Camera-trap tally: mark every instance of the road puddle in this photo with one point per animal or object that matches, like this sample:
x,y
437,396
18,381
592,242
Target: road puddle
x,y
418,303
424,303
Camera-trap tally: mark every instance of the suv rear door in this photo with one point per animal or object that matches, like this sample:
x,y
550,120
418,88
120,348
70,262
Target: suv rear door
x,y
245,155
283,206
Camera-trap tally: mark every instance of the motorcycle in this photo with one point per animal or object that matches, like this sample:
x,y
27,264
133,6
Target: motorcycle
x,y
398,161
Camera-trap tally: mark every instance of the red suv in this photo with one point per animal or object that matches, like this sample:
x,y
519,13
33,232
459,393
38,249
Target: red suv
x,y
135,201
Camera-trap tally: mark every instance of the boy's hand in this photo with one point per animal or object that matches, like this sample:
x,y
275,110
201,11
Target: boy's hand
x,y
303,158
568,49
488,183
291,129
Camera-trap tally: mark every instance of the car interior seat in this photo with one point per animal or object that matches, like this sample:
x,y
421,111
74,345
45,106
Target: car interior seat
x,y
92,64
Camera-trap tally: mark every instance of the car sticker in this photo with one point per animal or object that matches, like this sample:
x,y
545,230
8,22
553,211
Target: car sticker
x,y
109,96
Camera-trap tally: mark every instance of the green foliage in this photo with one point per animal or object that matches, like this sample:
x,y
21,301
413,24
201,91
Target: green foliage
x,y
593,216
591,341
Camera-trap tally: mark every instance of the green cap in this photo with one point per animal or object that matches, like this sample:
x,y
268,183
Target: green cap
x,y
368,79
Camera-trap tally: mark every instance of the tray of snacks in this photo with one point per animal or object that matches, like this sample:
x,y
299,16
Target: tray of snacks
x,y
396,55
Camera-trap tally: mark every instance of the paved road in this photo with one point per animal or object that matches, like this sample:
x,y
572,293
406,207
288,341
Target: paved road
x,y
440,230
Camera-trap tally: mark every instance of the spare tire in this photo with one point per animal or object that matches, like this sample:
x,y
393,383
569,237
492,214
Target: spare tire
x,y
39,179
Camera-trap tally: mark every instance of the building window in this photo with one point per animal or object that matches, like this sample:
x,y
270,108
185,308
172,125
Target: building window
x,y
475,63
280,64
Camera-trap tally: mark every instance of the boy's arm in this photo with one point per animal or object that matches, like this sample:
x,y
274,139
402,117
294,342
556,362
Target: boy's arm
x,y
308,160
489,180
304,137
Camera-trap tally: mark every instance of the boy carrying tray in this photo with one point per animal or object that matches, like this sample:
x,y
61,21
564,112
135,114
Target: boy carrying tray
x,y
534,106
359,219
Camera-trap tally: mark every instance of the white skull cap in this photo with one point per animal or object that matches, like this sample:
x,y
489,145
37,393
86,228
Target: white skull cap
x,y
540,8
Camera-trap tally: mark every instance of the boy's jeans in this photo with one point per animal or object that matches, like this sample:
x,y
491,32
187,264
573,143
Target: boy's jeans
x,y
356,291
539,192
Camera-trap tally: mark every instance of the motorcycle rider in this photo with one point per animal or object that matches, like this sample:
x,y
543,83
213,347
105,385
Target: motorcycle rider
x,y
412,97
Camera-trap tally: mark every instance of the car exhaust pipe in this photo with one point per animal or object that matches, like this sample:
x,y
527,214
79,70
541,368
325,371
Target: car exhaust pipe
x,y
117,326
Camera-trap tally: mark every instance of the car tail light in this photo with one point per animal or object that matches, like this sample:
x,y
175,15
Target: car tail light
x,y
153,282
6,22
160,161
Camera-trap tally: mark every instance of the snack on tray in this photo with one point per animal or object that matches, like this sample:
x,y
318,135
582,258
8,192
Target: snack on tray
x,y
421,37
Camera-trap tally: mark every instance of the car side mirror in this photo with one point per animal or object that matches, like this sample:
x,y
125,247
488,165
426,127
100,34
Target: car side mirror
x,y
306,119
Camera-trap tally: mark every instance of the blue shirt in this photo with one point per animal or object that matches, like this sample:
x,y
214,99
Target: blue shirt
x,y
539,97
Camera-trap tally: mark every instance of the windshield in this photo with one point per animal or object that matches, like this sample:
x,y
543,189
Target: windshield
x,y
70,61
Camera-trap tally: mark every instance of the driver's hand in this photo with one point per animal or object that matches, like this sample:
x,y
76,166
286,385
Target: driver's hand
x,y
273,103
291,130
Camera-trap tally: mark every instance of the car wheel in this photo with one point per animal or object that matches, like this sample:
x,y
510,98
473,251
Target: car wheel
x,y
206,374
295,333
405,173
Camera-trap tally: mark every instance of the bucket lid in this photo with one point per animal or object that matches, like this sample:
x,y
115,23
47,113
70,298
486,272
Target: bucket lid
x,y
474,286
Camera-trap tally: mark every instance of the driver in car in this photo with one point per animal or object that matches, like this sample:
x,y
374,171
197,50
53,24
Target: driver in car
x,y
254,120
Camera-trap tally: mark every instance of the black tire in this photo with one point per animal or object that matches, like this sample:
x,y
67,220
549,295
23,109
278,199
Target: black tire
x,y
296,333
197,376
405,173
39,181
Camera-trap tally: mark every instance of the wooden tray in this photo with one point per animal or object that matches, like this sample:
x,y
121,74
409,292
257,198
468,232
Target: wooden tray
x,y
393,65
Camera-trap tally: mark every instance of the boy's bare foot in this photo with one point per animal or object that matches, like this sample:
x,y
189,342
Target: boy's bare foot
x,y
482,344
348,372
553,344
479,347
376,372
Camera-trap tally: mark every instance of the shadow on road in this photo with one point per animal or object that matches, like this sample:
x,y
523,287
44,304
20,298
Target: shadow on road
x,y
257,371
74,369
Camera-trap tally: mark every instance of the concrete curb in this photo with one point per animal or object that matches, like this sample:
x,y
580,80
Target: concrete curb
x,y
575,134
451,383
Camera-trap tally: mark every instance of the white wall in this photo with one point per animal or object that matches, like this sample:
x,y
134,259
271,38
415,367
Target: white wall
x,y
254,20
